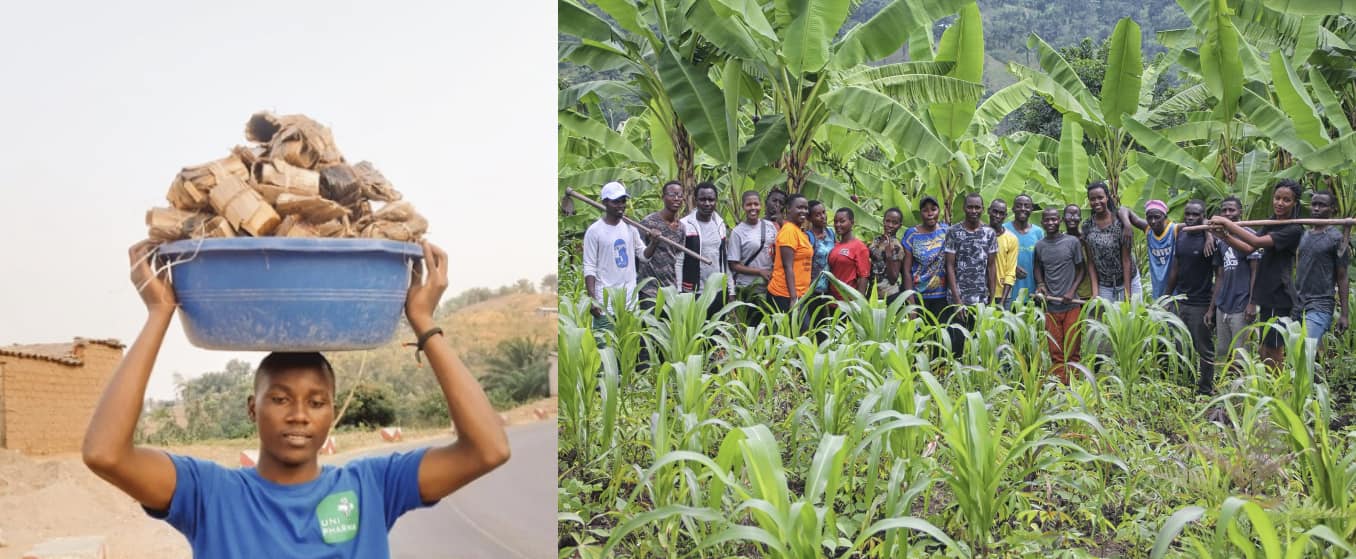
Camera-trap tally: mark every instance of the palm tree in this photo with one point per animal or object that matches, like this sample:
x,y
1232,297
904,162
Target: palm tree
x,y
518,369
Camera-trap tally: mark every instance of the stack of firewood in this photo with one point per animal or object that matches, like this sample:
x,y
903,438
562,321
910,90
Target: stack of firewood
x,y
292,183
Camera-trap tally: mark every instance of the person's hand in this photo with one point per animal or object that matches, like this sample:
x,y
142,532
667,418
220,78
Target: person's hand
x,y
425,292
1250,313
594,309
155,290
1069,297
1209,249
1342,324
1021,273
767,274
1209,316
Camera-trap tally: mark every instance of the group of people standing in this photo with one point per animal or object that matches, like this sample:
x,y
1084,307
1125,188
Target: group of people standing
x,y
1221,276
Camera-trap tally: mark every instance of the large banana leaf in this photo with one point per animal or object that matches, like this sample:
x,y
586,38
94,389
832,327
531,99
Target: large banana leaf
x,y
734,76
1011,179
599,132
576,20
872,111
769,140
1254,175
963,44
1206,131
1073,159
749,13
1337,156
1055,94
805,43
1221,64
601,57
1294,100
1312,7
594,91
863,75
1332,105
880,36
1189,99
1125,65
1163,148
725,31
699,104
661,146
1267,28
1063,74
998,106
593,178
1272,122
835,195
913,90
627,15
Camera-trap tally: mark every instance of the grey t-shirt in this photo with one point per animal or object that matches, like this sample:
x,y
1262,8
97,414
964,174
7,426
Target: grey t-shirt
x,y
1058,260
972,250
745,239
1318,260
1234,276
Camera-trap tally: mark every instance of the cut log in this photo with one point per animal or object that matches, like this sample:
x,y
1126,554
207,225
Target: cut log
x,y
172,224
313,208
395,211
243,207
218,228
185,195
294,179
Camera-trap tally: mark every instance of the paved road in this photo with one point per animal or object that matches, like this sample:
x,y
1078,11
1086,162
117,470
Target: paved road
x,y
508,514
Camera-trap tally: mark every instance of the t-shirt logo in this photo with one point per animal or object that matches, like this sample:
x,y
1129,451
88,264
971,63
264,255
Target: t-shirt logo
x,y
619,247
338,516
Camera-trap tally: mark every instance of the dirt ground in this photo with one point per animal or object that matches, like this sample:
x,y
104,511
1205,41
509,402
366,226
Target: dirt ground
x,y
49,497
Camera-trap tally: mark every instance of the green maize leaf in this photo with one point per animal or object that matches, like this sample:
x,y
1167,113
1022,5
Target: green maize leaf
x,y
872,111
1172,527
696,100
1125,66
1312,7
826,465
576,20
1327,534
738,533
998,106
1294,100
661,513
769,140
814,23
907,523
963,44
1073,159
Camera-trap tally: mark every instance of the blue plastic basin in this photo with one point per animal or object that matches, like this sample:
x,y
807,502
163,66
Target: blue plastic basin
x,y
287,294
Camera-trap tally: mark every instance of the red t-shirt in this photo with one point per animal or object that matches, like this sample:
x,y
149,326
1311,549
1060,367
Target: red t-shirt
x,y
848,262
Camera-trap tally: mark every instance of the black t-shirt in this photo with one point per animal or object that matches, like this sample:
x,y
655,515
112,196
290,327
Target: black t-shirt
x,y
1274,287
1195,275
1318,260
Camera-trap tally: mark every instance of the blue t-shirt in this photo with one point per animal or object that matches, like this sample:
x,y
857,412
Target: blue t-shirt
x,y
1161,250
929,269
346,512
1026,246
819,266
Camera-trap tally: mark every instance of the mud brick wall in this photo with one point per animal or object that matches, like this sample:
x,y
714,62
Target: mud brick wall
x,y
47,405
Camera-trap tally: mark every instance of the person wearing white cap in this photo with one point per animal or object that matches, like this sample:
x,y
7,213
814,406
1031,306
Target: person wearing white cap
x,y
611,248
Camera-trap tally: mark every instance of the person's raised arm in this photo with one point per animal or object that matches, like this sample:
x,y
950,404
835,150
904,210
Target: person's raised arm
x,y
1131,220
145,474
1239,237
481,443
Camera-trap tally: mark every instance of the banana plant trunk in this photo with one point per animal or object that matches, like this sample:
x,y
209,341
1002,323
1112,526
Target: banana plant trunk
x,y
683,160
796,166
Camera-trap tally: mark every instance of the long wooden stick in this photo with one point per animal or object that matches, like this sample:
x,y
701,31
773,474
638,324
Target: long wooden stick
x,y
654,234
1074,301
1268,222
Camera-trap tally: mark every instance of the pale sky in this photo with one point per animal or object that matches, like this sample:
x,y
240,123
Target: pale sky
x,y
101,103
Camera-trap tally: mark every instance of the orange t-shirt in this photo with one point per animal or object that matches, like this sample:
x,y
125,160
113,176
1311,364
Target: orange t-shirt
x,y
792,236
